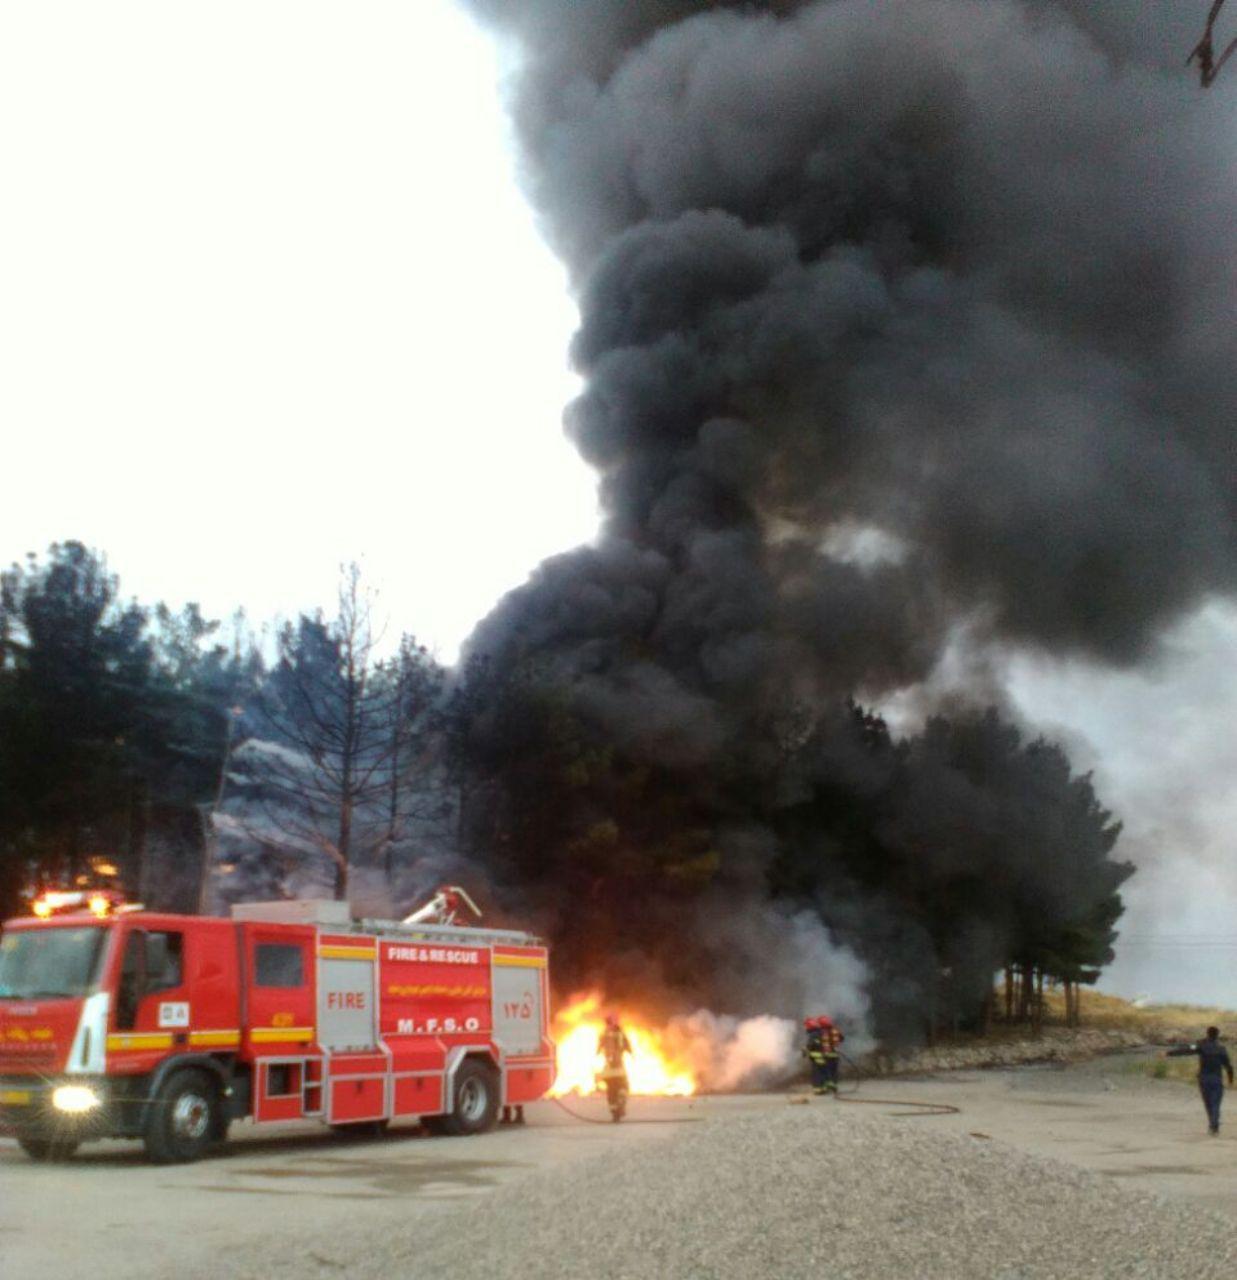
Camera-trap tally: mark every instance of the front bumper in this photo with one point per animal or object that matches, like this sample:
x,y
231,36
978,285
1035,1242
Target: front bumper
x,y
27,1109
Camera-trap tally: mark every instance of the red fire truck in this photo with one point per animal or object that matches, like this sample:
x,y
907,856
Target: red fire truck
x,y
119,1022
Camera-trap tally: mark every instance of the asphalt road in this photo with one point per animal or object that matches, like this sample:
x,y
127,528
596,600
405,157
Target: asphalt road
x,y
109,1213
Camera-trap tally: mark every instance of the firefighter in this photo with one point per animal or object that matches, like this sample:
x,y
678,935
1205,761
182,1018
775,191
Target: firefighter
x,y
1212,1060
831,1044
613,1046
814,1052
821,1050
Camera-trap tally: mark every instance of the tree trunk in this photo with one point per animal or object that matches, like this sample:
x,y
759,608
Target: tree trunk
x,y
72,853
1025,993
206,870
388,852
345,839
1009,994
137,873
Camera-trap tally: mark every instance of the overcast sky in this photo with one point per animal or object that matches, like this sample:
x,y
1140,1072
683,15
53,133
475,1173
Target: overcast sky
x,y
270,300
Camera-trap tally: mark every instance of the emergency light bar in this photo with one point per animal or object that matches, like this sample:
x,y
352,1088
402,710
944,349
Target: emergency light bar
x,y
99,902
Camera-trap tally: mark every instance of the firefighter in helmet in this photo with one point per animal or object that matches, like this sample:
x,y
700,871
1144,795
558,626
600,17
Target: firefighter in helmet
x,y
824,1041
815,1054
612,1047
831,1043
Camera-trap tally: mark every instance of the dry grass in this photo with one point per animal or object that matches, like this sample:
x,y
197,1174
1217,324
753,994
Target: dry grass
x,y
1158,1022
1182,1070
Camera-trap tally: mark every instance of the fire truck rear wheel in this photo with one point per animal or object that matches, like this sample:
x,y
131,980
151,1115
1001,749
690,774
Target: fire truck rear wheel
x,y
47,1148
475,1108
184,1118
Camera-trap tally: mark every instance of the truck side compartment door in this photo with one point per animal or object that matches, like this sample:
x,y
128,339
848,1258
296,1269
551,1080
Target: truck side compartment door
x,y
359,1063
521,1007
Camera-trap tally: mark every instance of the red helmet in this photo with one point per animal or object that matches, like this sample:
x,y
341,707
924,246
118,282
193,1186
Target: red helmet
x,y
824,1020
808,1023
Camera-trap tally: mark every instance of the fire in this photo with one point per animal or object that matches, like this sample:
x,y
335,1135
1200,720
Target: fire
x,y
655,1066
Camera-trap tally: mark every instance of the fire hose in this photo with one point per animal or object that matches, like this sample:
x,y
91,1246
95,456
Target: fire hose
x,y
921,1108
575,1115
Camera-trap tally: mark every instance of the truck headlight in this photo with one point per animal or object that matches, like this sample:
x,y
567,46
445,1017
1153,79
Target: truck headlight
x,y
74,1099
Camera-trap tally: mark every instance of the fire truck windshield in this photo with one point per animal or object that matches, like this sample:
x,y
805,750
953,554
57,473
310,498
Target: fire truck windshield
x,y
48,964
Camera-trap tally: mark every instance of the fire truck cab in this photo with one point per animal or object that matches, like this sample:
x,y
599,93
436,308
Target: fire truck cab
x,y
119,1022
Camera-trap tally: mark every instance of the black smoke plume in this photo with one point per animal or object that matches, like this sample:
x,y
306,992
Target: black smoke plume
x,y
901,321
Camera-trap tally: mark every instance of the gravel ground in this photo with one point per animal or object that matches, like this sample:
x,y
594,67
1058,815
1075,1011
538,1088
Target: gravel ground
x,y
806,1191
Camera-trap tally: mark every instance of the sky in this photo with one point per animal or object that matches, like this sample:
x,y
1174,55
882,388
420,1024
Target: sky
x,y
1161,744
271,301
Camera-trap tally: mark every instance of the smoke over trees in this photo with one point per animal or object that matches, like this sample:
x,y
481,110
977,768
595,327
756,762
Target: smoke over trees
x,y
901,330
737,884
749,878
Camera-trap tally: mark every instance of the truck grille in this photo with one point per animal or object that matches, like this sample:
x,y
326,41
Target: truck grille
x,y
34,1058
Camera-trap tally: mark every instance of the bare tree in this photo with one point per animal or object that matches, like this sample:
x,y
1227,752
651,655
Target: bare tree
x,y
339,754
1204,52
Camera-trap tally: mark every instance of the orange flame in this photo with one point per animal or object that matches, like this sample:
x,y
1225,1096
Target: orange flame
x,y
655,1066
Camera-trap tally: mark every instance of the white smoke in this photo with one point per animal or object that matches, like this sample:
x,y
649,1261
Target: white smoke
x,y
832,979
732,1054
813,974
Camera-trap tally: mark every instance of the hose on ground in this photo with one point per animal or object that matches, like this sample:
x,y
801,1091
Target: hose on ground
x,y
921,1108
848,1095
575,1115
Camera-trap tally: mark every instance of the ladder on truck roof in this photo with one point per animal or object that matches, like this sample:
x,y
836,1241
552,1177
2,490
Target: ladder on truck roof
x,y
327,913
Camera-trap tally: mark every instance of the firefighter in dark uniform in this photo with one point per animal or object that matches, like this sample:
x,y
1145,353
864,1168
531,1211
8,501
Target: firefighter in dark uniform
x,y
613,1046
821,1050
814,1052
1213,1059
831,1044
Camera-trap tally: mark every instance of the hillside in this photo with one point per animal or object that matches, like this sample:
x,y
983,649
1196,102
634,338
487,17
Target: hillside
x,y
1109,1025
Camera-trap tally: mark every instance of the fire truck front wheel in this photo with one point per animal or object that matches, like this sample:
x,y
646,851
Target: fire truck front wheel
x,y
184,1119
475,1107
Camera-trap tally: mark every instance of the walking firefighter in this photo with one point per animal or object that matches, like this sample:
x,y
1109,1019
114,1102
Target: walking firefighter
x,y
1213,1060
613,1046
824,1042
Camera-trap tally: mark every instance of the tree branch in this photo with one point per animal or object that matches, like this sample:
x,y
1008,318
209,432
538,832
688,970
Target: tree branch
x,y
1203,53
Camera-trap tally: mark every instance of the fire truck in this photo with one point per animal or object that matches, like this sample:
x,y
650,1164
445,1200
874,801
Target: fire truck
x,y
120,1022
